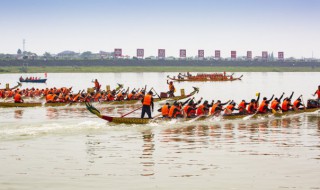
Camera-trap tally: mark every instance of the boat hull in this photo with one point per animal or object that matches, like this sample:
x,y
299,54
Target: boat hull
x,y
34,81
131,120
204,79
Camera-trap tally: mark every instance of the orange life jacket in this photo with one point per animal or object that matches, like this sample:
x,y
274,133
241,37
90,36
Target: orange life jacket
x,y
110,97
250,108
262,107
147,100
213,109
17,98
96,85
172,108
50,97
295,103
165,110
229,107
200,110
97,96
318,93
185,109
171,87
130,96
274,104
285,105
242,106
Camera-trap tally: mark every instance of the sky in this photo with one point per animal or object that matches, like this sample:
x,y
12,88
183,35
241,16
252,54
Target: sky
x,y
291,26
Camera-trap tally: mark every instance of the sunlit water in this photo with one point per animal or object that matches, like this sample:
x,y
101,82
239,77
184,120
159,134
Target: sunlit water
x,y
68,148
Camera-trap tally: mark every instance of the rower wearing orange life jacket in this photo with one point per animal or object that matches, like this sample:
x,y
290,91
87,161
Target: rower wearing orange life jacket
x,y
275,104
286,104
204,108
189,110
265,99
264,107
317,93
111,95
17,98
171,89
230,108
51,98
218,107
147,102
174,110
131,95
165,110
297,103
242,107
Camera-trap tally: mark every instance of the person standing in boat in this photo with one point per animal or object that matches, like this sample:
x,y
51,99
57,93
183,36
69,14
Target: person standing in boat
x,y
172,89
147,102
97,85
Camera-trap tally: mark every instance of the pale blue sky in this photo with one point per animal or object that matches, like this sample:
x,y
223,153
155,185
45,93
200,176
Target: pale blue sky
x,y
291,26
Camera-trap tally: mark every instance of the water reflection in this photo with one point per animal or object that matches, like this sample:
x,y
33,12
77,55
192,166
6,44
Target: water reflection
x,y
148,149
18,114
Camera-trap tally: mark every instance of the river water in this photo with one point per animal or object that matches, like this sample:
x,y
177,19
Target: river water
x,y
68,148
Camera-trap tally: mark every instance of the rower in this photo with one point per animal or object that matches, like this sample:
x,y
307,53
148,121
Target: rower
x,y
111,95
51,98
265,99
131,95
190,109
174,110
17,98
204,108
171,89
218,107
251,107
286,105
275,104
242,107
147,102
165,110
297,103
264,107
230,108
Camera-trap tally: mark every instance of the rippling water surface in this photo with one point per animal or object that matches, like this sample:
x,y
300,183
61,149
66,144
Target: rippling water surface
x,y
68,148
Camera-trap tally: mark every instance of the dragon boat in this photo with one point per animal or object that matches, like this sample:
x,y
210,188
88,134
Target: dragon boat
x,y
134,120
33,81
204,79
124,102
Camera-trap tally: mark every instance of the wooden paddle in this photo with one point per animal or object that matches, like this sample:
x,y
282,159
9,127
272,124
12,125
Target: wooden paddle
x,y
156,93
131,112
155,117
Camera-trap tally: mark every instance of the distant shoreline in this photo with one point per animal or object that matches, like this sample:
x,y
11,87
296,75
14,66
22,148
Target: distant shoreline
x,y
117,69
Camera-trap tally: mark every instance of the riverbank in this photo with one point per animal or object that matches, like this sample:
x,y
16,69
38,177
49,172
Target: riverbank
x,y
115,69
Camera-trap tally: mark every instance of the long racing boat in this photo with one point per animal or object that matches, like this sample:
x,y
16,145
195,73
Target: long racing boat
x,y
204,79
124,102
134,120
